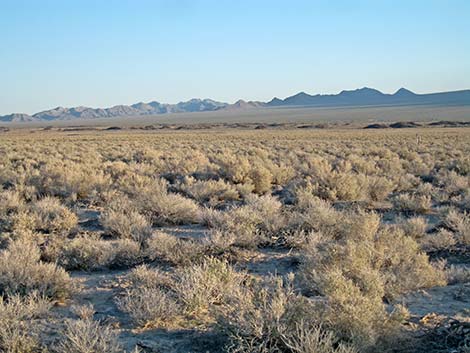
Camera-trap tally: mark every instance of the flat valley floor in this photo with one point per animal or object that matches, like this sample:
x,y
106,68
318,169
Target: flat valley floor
x,y
228,240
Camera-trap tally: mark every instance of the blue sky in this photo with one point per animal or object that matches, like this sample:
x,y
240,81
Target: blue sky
x,y
102,53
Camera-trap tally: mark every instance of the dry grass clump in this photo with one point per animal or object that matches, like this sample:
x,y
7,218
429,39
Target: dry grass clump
x,y
22,272
18,334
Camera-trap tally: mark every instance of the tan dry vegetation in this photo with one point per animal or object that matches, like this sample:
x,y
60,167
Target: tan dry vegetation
x,y
291,241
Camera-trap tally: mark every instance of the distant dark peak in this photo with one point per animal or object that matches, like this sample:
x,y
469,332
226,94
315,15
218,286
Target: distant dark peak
x,y
404,92
275,101
361,91
301,94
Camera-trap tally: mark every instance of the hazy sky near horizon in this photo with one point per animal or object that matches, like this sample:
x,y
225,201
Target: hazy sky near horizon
x,y
102,53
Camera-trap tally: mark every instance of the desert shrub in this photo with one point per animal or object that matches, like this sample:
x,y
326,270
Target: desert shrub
x,y
261,179
460,224
461,165
22,272
307,339
337,181
355,265
49,215
18,334
175,209
414,227
300,238
125,253
10,201
442,240
412,203
212,191
84,252
359,245
84,336
88,252
458,274
269,316
167,248
201,286
313,213
70,180
379,188
122,220
233,167
250,224
84,312
219,240
152,199
355,310
403,266
238,224
149,299
407,182
452,183
149,306
145,276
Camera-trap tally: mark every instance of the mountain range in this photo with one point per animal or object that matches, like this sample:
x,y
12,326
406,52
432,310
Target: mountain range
x,y
363,97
